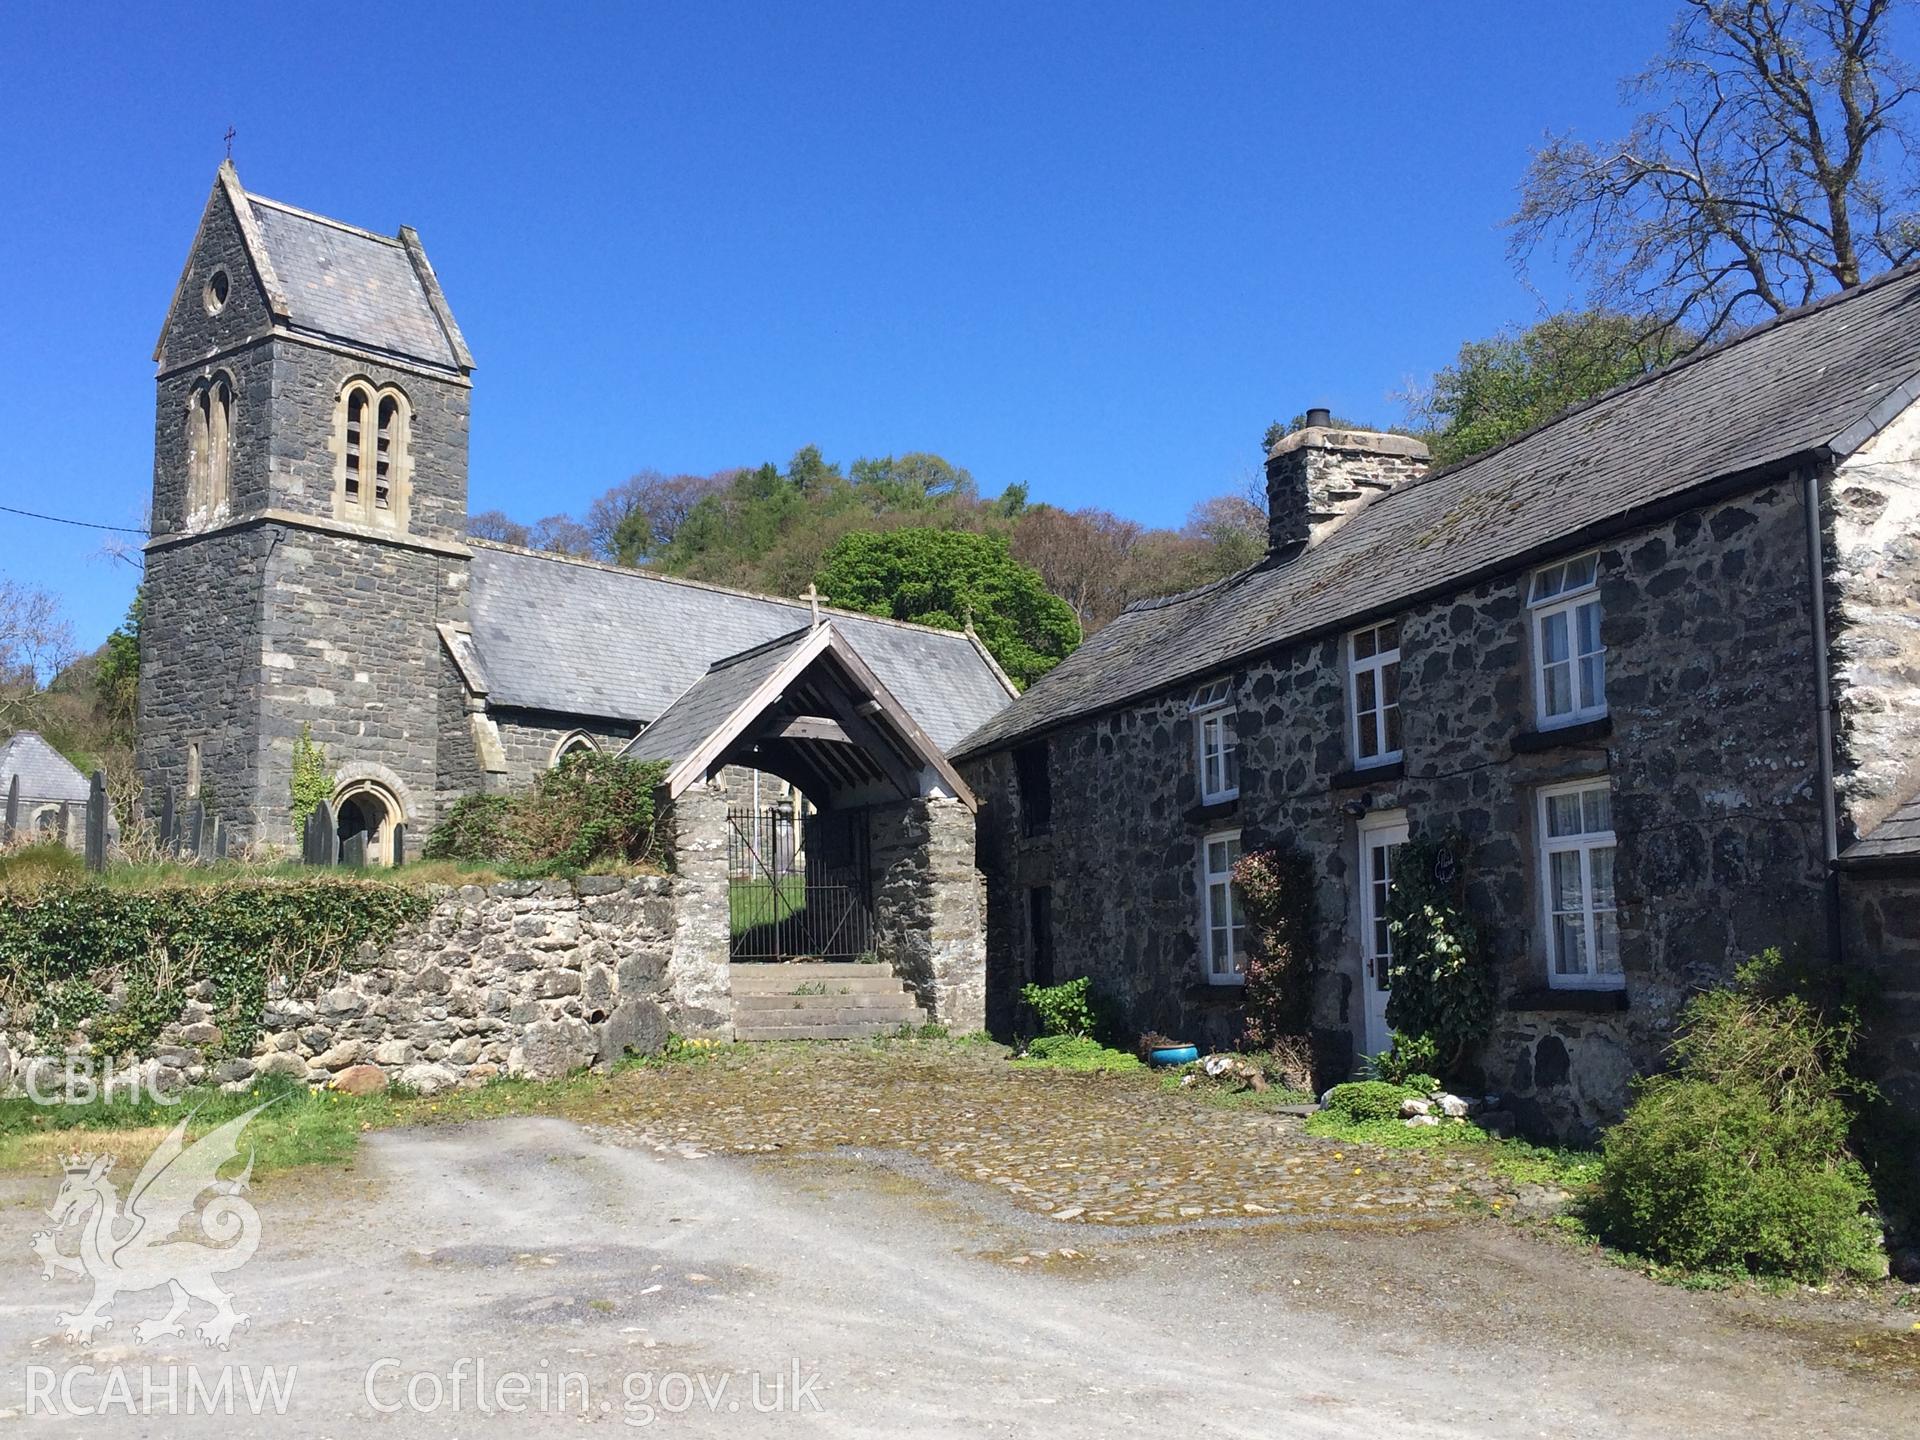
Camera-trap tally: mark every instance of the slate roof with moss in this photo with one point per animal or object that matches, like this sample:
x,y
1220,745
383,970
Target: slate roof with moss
x,y
581,638
1810,386
350,284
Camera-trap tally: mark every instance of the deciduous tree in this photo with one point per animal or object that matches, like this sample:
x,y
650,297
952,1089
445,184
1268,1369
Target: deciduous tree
x,y
951,578
1773,166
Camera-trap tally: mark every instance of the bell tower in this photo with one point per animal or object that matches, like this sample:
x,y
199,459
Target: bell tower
x,y
309,510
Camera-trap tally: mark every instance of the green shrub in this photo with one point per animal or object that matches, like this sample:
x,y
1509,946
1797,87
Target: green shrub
x,y
474,829
1442,975
1409,1060
1064,1009
1739,1160
590,810
1360,1100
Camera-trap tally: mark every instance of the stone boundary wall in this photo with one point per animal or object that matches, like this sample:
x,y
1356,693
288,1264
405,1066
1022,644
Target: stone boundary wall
x,y
531,978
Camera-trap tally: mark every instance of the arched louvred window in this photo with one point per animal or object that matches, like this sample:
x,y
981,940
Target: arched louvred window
x,y
219,398
199,451
371,485
356,431
388,451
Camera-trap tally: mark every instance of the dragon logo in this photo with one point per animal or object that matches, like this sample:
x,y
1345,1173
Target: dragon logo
x,y
163,1237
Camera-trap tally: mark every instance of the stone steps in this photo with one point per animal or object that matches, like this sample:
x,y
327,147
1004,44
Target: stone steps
x,y
838,1002
832,1000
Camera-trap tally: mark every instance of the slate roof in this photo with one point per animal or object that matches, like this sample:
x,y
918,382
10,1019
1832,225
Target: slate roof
x,y
711,699
350,284
45,774
582,638
1817,382
1895,840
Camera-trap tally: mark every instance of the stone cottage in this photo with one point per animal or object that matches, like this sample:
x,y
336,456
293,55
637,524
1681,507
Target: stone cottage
x,y
309,574
1658,660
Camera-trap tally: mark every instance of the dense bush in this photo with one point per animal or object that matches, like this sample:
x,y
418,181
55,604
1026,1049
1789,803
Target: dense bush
x,y
1441,974
66,948
476,828
1276,887
589,810
1738,1160
1064,1009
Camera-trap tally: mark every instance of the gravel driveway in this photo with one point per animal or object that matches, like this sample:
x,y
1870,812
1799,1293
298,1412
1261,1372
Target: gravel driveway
x,y
891,1290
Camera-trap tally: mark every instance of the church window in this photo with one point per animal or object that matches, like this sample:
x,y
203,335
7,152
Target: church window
x,y
209,444
372,472
214,296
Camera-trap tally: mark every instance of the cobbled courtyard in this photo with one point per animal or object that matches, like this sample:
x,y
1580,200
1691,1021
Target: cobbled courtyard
x,y
1105,1149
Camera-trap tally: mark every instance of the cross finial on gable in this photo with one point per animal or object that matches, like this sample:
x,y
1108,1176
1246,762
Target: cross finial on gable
x,y
812,596
231,132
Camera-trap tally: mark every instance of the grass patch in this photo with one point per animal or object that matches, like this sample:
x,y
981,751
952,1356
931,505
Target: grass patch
x,y
1077,1053
1514,1160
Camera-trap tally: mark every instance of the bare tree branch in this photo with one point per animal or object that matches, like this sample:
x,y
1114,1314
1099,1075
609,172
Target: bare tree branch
x,y
1773,167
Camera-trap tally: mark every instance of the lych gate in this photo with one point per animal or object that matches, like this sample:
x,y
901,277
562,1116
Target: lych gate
x,y
872,872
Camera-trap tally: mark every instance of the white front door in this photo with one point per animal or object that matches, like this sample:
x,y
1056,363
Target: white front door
x,y
1381,837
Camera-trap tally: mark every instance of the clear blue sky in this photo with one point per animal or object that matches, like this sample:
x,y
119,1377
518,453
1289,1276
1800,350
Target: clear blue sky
x,y
1094,248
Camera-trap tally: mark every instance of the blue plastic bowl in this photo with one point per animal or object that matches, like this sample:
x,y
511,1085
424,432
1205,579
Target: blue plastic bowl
x,y
1175,1055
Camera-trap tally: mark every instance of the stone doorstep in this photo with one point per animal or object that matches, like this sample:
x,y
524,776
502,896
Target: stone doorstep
x,y
803,970
779,1004
887,1019
851,984
816,1032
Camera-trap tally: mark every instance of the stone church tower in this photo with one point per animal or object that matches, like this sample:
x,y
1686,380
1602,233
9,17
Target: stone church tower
x,y
309,511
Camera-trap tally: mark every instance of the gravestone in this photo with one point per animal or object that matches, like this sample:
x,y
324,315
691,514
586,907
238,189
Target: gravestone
x,y
399,844
219,840
97,822
194,832
318,843
12,823
353,850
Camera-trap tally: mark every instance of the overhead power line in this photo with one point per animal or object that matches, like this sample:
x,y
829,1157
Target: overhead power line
x,y
63,520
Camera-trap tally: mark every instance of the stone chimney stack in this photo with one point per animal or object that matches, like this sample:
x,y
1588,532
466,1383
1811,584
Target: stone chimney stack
x,y
1318,475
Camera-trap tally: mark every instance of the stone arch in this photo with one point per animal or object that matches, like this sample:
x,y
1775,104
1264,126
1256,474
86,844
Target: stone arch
x,y
571,743
370,798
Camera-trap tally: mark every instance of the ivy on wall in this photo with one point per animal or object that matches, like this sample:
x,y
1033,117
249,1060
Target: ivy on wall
x,y
312,778
1276,887
66,949
1441,974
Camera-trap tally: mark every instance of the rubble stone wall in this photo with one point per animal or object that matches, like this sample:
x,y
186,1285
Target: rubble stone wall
x,y
531,978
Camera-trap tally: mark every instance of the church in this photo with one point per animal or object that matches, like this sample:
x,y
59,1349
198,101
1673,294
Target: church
x,y
309,572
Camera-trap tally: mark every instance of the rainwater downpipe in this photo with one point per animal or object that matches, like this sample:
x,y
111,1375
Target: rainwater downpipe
x,y
1823,718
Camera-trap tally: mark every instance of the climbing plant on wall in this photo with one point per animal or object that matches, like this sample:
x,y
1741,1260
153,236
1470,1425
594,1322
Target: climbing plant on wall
x,y
1276,887
312,777
1441,974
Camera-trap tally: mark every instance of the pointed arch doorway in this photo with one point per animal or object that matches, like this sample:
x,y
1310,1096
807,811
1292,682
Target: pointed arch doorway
x,y
367,809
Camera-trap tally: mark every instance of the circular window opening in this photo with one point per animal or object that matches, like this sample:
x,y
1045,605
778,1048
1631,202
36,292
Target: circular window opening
x,y
215,295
